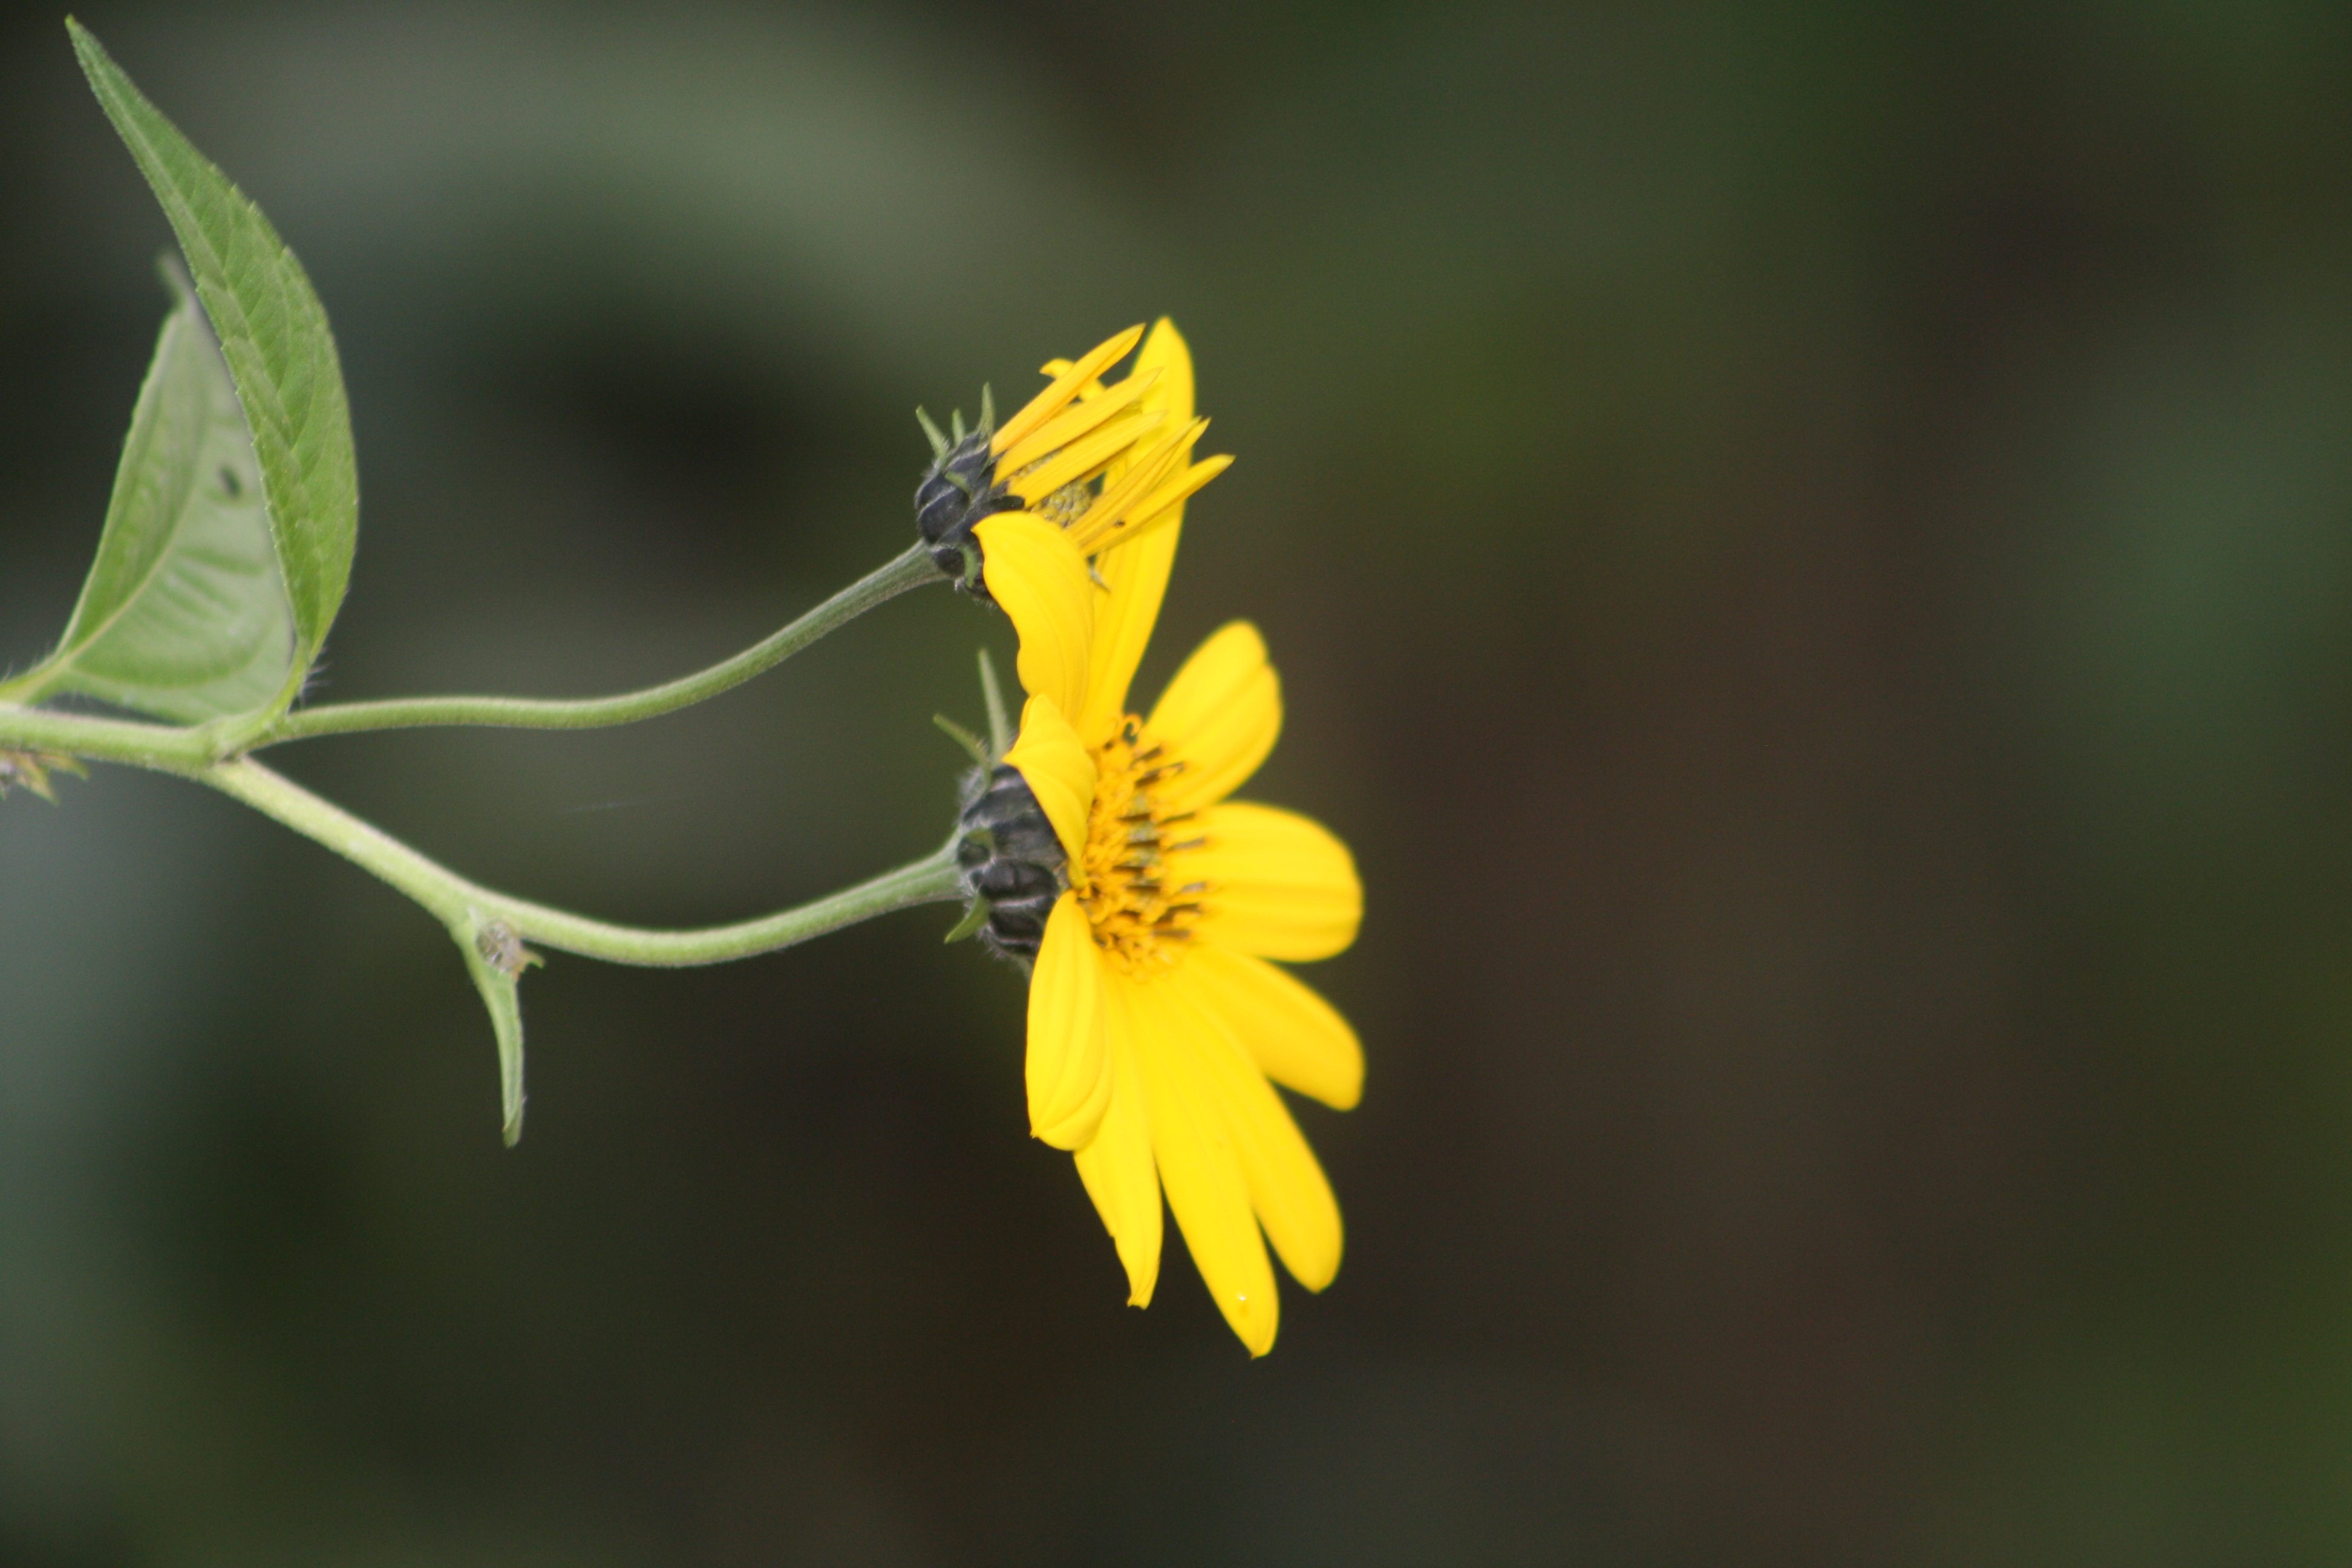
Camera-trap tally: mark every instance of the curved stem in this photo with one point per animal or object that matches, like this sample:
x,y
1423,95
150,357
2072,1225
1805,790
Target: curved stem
x,y
910,570
466,906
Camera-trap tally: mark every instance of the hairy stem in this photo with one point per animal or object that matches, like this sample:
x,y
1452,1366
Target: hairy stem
x,y
164,747
910,570
464,905
188,749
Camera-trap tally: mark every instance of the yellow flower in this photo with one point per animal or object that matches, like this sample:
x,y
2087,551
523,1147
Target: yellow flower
x,y
1155,1017
1107,462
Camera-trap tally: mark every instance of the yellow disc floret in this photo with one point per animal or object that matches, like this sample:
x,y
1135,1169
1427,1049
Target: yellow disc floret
x,y
1137,898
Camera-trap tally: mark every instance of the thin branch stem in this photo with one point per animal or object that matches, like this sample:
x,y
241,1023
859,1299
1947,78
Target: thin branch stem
x,y
910,570
188,749
463,905
210,754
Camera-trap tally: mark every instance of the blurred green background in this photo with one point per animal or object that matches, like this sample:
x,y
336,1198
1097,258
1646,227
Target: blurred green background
x,y
1810,552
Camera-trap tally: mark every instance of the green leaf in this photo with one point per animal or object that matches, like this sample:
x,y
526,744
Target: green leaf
x,y
183,615
273,333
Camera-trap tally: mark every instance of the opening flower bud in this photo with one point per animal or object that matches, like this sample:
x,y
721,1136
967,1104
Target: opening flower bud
x,y
958,490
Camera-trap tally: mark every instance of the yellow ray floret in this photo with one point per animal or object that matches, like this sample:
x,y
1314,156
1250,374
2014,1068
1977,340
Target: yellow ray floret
x,y
1068,1066
1066,387
1060,772
1080,418
1042,585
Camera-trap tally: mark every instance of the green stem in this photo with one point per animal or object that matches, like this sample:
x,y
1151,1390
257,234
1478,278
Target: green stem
x,y
164,747
463,905
176,749
911,570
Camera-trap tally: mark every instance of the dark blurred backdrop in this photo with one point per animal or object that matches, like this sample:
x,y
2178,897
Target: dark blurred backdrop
x,y
1810,552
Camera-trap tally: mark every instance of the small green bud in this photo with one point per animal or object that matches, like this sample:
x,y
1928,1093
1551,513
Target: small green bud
x,y
31,769
501,948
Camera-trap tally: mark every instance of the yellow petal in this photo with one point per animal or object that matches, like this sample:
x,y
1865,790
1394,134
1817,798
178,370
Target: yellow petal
x,y
1060,772
1034,571
1287,1188
1166,503
1136,573
1166,351
1086,457
1221,715
1118,1167
1199,1166
1061,389
1146,467
1068,1066
1296,1038
1280,886
1053,368
1072,423
1161,476
1136,576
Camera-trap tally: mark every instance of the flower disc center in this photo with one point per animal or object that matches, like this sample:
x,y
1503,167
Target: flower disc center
x,y
1140,903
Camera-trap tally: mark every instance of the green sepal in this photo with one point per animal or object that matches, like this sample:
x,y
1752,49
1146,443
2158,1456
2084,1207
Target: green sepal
x,y
975,920
973,744
937,436
1000,727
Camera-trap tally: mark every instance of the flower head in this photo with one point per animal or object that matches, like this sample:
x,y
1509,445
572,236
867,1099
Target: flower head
x,y
1156,1019
1107,462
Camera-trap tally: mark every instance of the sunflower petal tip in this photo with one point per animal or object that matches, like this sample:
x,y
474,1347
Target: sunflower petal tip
x,y
1319,1276
1142,1278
